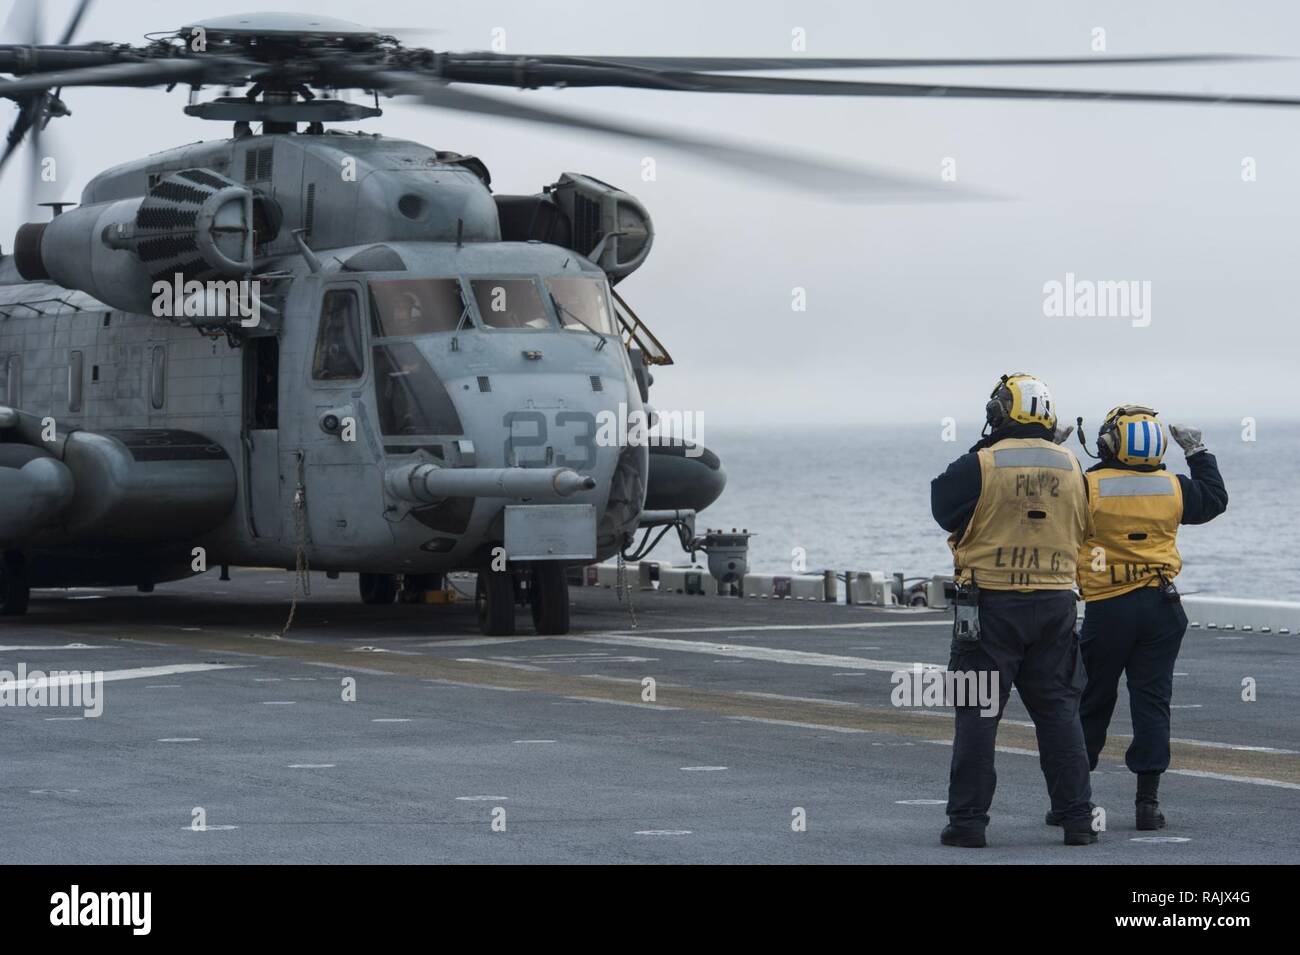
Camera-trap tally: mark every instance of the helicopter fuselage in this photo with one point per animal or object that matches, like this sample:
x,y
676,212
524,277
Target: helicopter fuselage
x,y
402,339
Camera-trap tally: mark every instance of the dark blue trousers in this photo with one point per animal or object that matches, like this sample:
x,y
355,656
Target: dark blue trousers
x,y
1029,640
1137,634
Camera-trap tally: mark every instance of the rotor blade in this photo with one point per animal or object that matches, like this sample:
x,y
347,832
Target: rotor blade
x,y
27,116
141,73
712,64
789,169
531,75
74,22
31,59
34,153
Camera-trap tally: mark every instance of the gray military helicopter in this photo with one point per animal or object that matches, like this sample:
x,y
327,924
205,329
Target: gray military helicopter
x,y
302,347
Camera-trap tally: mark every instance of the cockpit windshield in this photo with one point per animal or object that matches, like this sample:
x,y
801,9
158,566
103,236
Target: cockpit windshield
x,y
415,306
581,302
411,399
510,303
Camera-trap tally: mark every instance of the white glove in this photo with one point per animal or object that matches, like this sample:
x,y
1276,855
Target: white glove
x,y
1189,439
1059,436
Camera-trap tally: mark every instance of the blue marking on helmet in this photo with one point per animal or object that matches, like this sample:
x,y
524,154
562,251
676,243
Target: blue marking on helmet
x,y
1143,450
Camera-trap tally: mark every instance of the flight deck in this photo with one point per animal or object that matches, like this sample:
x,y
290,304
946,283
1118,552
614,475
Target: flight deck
x,y
767,734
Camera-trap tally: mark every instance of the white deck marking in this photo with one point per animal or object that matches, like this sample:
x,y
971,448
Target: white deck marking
x,y
763,628
1228,778
112,675
503,663
770,654
644,706
478,641
703,769
1195,773
180,739
797,724
66,646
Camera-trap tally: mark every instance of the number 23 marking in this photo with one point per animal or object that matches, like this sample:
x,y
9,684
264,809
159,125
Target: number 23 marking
x,y
585,440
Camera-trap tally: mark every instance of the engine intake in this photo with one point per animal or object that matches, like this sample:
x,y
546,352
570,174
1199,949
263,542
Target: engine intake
x,y
195,223
595,219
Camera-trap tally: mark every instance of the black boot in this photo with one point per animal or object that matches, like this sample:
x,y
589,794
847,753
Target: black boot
x,y
963,836
1080,837
1149,816
1054,817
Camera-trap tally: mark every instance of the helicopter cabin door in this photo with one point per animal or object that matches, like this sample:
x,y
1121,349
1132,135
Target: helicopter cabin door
x,y
262,435
342,476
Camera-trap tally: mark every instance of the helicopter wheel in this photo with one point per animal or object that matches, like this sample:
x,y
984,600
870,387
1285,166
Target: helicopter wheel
x,y
494,598
414,587
377,588
14,589
550,599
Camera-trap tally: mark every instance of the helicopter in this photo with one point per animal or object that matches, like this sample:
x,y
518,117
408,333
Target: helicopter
x,y
308,348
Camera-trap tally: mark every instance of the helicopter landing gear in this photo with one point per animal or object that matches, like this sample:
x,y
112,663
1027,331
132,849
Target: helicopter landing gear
x,y
494,599
549,596
14,588
378,588
415,586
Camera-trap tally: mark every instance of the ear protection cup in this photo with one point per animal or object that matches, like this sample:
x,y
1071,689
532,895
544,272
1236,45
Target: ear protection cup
x,y
994,414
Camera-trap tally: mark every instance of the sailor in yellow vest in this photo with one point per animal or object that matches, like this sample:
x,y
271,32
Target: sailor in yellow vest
x,y
1017,511
1134,622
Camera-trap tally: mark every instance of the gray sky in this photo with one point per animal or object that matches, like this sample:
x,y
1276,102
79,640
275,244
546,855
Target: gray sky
x,y
912,311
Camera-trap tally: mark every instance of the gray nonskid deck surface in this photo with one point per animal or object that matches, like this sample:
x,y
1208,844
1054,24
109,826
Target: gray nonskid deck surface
x,y
764,711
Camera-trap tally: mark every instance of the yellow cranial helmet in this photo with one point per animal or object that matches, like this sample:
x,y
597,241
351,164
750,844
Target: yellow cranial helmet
x,y
1020,399
1132,435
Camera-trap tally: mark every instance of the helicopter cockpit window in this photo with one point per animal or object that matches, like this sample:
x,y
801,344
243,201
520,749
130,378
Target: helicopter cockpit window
x,y
338,343
510,303
415,306
410,397
581,302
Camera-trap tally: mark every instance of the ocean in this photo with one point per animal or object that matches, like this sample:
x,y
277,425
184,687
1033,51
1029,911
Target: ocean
x,y
858,498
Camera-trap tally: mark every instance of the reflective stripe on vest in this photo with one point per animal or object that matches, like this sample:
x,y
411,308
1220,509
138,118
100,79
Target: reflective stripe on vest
x,y
1136,486
1030,519
1135,521
1031,458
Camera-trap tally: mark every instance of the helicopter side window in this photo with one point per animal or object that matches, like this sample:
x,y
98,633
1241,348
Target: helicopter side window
x,y
510,303
415,306
581,302
410,398
338,342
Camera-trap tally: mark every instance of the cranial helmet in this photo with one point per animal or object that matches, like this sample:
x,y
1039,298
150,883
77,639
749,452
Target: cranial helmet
x,y
1132,435
1020,399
